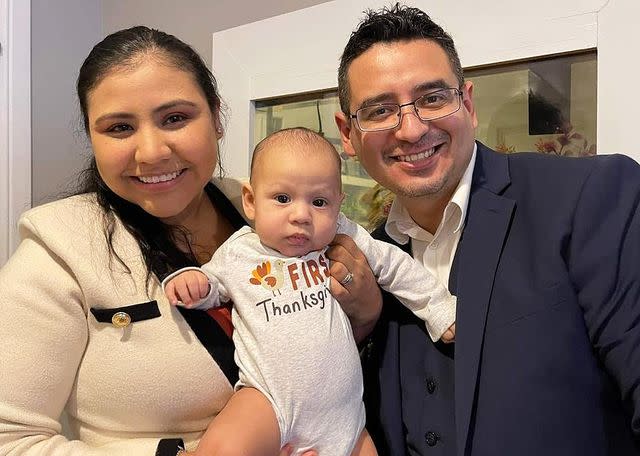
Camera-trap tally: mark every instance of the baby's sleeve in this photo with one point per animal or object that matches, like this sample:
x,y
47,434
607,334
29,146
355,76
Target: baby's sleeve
x,y
212,299
219,272
408,280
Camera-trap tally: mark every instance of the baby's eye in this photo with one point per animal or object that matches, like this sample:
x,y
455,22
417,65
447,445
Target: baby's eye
x,y
320,202
282,199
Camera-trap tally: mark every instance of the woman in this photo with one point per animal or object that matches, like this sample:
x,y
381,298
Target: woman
x,y
86,328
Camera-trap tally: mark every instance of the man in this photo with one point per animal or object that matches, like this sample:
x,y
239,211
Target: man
x,y
541,251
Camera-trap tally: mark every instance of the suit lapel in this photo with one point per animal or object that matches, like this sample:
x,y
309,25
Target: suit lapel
x,y
478,254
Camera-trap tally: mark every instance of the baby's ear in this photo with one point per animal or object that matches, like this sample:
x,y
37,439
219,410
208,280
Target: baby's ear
x,y
342,197
248,201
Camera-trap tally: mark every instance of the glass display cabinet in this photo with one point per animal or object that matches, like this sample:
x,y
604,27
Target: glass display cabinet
x,y
546,105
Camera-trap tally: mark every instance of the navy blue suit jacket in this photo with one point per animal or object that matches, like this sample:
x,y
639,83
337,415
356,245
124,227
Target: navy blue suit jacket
x,y
547,351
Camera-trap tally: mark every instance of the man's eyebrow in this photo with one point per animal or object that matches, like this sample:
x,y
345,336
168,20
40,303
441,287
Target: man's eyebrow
x,y
432,85
389,97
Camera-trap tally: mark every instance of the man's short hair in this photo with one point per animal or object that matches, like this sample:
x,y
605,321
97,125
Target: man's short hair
x,y
391,24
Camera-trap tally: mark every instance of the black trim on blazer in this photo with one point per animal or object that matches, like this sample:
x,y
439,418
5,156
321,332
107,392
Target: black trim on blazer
x,y
227,208
169,447
206,329
137,312
214,339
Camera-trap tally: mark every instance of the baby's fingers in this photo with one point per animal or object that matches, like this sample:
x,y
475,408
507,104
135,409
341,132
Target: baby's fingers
x,y
184,293
203,286
449,335
170,291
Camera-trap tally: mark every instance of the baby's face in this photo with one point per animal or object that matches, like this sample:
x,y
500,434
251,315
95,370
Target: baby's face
x,y
296,200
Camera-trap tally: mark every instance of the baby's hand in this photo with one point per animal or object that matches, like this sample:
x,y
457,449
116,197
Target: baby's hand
x,y
187,288
449,335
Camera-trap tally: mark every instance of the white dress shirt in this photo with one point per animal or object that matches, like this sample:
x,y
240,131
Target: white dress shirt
x,y
435,251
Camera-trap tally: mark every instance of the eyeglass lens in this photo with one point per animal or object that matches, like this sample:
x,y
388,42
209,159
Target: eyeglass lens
x,y
430,106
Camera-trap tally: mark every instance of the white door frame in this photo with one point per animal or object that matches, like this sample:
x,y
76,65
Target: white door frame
x,y
298,52
15,120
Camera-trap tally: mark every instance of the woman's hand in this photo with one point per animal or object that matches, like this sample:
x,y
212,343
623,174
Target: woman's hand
x,y
359,295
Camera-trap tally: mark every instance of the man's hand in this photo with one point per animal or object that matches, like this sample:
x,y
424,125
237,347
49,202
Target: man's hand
x,y
354,285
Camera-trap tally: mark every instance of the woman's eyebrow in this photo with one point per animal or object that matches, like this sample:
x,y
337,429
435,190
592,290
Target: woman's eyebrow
x,y
173,104
127,115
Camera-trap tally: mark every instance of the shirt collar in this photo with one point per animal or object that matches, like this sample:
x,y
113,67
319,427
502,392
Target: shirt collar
x,y
401,227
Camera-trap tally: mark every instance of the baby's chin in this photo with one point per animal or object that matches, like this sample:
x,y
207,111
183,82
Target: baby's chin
x,y
298,244
289,250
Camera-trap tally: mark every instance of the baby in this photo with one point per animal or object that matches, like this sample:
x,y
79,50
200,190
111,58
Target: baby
x,y
300,376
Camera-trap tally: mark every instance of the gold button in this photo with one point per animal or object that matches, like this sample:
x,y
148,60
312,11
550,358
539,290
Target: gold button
x,y
120,319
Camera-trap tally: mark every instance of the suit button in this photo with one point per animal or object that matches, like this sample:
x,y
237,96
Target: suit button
x,y
431,438
431,385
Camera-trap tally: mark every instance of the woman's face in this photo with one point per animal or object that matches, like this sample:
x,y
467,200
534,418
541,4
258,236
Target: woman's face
x,y
154,137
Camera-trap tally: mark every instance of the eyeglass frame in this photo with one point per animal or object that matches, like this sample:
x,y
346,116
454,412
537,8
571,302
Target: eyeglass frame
x,y
459,95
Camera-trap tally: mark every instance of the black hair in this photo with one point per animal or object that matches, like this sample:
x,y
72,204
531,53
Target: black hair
x,y
126,48
387,25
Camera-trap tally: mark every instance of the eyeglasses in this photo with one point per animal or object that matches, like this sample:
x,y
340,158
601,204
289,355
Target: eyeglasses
x,y
431,106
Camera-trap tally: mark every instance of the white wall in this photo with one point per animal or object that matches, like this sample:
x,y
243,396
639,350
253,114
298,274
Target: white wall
x,y
60,40
194,20
15,131
299,52
618,66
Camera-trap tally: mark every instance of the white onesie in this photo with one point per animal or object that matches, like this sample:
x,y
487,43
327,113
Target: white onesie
x,y
294,343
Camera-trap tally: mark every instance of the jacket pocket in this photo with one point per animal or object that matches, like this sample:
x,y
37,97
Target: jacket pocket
x,y
512,307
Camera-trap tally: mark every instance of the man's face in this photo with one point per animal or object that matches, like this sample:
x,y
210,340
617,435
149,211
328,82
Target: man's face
x,y
417,158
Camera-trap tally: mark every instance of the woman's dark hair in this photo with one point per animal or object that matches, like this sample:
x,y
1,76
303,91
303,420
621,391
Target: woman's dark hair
x,y
397,23
122,49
